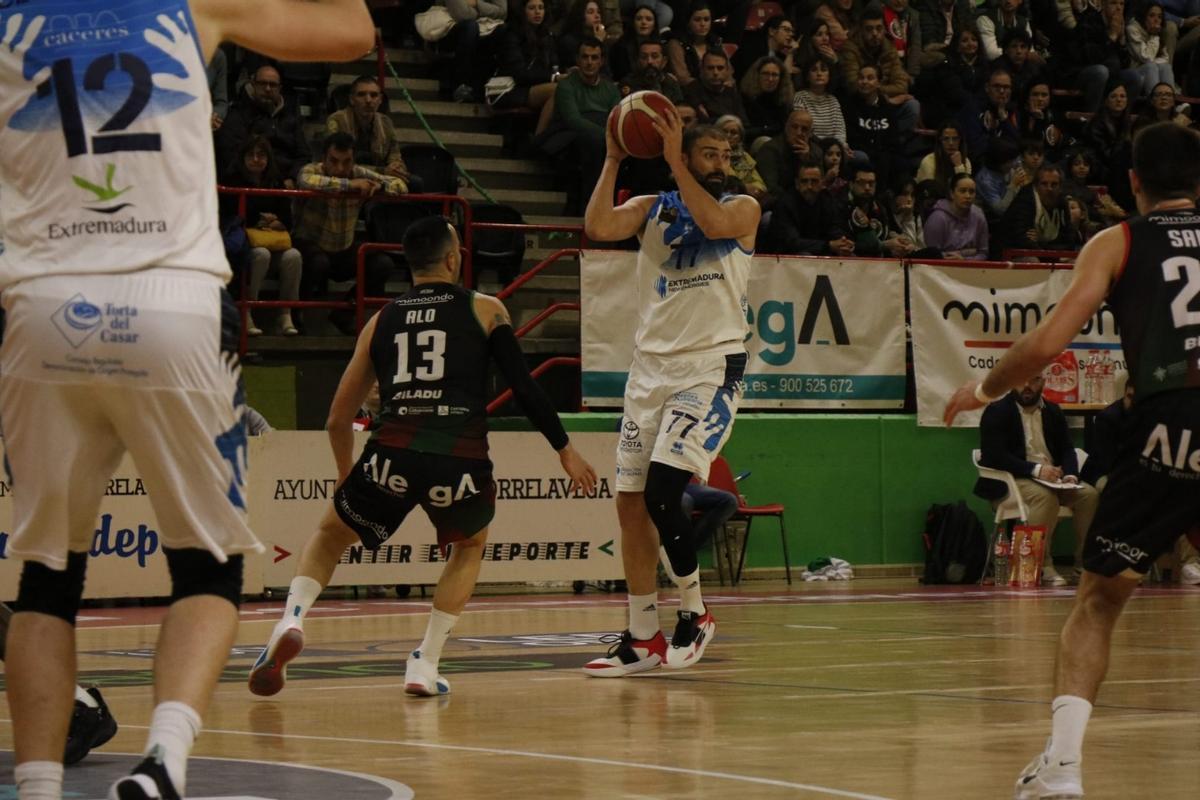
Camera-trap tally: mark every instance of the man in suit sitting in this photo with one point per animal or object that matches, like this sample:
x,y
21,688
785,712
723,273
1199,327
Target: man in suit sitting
x,y
1027,435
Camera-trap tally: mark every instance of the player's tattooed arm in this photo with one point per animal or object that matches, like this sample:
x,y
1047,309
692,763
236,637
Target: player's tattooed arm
x,y
491,313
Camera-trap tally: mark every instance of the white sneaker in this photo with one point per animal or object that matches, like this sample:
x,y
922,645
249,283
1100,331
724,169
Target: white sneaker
x,y
1050,576
269,673
421,678
1042,780
1189,573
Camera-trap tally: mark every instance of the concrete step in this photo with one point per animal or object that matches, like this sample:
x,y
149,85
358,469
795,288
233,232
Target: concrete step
x,y
526,201
439,109
507,165
463,144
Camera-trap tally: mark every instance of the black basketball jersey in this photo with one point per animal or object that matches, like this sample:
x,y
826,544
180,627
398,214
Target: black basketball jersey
x,y
1156,303
430,354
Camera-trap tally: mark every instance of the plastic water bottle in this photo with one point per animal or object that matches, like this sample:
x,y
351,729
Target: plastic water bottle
x,y
1000,559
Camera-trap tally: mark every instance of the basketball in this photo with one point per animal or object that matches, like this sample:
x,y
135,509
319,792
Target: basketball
x,y
631,123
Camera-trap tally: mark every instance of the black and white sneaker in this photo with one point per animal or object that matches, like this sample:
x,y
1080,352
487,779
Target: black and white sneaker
x,y
90,727
693,632
148,781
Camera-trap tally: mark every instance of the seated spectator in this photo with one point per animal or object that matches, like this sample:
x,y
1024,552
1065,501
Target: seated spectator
x,y
651,73
815,42
1109,134
869,45
905,219
260,110
742,163
582,101
256,168
806,220
1037,218
865,221
1077,182
1019,61
218,86
714,95
1036,119
952,84
777,37
871,127
585,19
957,226
1148,51
528,53
1092,51
324,227
997,22
767,98
473,20
1161,108
688,47
376,143
941,22
814,97
902,27
842,17
777,158
623,55
664,14
833,166
990,115
947,159
1080,221
1000,178
1026,435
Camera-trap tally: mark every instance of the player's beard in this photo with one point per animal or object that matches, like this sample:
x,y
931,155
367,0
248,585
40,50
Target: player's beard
x,y
715,183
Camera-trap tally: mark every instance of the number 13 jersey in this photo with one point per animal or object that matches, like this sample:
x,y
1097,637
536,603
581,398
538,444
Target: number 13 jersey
x,y
106,135
430,354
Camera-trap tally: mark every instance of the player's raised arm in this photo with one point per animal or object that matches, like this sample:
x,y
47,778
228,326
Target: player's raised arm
x,y
352,390
736,217
602,222
505,350
290,30
1094,274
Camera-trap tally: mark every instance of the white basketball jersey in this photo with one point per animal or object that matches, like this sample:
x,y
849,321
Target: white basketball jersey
x,y
691,289
106,136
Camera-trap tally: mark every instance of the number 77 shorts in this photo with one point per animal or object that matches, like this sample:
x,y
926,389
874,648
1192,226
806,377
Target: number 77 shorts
x,y
679,411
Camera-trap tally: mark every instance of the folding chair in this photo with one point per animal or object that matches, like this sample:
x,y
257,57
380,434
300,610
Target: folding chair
x,y
721,477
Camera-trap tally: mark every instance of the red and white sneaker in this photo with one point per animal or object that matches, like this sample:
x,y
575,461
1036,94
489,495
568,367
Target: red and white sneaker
x,y
628,656
269,673
693,632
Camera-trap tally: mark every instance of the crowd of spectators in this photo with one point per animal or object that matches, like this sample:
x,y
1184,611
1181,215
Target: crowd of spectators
x,y
915,94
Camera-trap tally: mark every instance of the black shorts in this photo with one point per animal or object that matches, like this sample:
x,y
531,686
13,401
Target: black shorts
x,y
1153,492
458,494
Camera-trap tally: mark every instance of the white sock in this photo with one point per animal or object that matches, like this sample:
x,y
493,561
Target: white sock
x,y
302,594
39,780
82,696
173,730
689,593
643,615
1070,719
436,634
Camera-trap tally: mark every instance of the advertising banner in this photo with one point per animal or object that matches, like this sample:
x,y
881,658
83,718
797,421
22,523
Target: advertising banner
x,y
964,318
823,332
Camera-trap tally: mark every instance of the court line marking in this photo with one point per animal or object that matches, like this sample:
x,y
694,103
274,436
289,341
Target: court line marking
x,y
603,762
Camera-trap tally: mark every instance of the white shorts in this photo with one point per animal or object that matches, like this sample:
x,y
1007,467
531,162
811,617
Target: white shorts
x,y
679,412
93,366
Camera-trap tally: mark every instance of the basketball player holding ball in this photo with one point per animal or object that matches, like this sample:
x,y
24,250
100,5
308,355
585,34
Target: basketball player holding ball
x,y
686,378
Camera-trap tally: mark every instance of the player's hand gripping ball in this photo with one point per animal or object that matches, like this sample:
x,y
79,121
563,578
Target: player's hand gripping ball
x,y
631,123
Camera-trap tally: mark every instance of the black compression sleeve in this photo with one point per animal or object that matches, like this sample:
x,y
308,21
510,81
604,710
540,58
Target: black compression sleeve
x,y
533,401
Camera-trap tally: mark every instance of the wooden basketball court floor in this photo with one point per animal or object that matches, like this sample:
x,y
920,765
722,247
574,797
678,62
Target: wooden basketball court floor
x,y
871,689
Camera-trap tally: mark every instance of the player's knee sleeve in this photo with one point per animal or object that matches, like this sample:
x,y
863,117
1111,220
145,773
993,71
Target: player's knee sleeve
x,y
197,572
51,591
665,486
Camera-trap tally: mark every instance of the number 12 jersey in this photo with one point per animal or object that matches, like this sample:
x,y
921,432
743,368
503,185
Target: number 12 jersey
x,y
106,135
